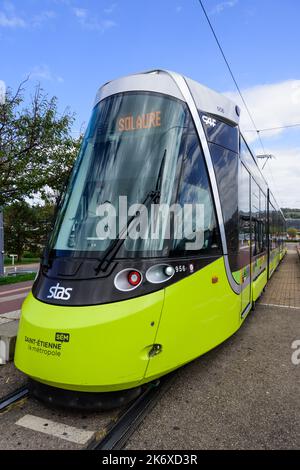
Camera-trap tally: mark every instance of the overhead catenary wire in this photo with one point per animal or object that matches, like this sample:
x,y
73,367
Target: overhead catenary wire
x,y
232,74
274,128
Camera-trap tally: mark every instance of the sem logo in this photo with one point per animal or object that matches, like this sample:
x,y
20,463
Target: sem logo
x,y
62,337
209,121
59,293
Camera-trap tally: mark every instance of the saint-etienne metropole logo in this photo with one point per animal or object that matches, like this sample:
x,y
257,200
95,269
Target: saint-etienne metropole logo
x,y
2,92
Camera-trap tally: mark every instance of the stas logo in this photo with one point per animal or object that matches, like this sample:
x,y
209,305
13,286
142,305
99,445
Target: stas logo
x,y
60,293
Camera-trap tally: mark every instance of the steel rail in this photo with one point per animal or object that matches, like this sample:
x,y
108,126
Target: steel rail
x,y
119,433
13,397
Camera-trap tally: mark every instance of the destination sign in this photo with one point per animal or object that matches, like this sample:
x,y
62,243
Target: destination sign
x,y
140,121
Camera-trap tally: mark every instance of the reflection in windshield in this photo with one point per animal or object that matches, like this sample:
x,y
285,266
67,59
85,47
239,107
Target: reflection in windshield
x,y
128,137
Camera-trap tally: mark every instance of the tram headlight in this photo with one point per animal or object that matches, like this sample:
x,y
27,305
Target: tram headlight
x,y
169,271
134,278
128,279
160,273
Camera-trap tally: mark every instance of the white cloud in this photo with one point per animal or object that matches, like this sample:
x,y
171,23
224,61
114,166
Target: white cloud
x,y
11,21
63,2
283,175
43,72
80,12
107,24
222,6
2,91
9,18
42,17
92,23
275,105
109,10
272,105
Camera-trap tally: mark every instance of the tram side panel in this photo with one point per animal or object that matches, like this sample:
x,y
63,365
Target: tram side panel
x,y
203,310
199,313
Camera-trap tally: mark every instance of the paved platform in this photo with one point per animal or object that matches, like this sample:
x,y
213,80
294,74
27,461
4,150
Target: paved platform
x,y
245,393
284,287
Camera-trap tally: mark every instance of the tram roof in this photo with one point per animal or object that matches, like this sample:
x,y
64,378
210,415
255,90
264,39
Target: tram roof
x,y
161,81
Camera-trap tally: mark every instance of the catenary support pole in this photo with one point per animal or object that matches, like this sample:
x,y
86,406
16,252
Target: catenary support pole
x,y
1,243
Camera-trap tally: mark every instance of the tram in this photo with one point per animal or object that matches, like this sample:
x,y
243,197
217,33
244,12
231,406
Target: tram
x,y
165,238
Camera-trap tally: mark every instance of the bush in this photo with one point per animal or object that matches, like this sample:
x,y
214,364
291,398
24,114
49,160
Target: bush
x,y
30,254
18,278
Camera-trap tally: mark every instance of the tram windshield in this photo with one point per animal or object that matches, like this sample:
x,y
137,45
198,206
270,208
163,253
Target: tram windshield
x,y
129,160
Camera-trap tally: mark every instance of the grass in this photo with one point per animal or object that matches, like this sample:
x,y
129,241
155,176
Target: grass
x,y
7,261
18,278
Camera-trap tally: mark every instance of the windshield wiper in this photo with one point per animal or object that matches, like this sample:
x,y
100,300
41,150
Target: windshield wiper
x,y
152,196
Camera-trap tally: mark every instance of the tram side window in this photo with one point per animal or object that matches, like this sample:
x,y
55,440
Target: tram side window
x,y
263,220
279,231
272,226
220,133
258,215
226,166
247,157
255,229
244,214
277,228
283,232
195,191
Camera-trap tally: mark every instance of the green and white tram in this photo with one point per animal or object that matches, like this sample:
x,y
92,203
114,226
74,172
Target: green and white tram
x,y
111,313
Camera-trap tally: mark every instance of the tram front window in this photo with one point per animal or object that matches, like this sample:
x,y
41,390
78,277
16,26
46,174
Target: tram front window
x,y
131,148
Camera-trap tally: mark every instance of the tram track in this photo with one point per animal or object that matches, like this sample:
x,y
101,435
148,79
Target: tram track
x,y
116,433
12,398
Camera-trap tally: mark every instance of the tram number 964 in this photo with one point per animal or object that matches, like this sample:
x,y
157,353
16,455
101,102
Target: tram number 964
x,y
171,459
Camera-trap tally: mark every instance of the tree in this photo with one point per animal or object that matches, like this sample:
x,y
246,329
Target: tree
x,y
37,149
18,222
27,227
43,224
37,152
292,232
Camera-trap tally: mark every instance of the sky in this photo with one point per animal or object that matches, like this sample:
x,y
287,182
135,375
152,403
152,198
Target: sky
x,y
74,46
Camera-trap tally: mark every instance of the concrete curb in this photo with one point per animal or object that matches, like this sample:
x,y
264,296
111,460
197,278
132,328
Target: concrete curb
x,y
9,324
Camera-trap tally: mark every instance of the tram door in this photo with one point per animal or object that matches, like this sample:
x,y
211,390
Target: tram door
x,y
244,235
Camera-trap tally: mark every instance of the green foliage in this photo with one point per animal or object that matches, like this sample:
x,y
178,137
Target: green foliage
x,y
18,278
29,256
291,213
26,228
24,260
292,232
37,149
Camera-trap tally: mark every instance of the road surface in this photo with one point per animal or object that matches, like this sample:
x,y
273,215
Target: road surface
x,y
13,295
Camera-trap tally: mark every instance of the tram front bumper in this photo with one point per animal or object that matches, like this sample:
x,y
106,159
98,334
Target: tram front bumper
x,y
94,349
